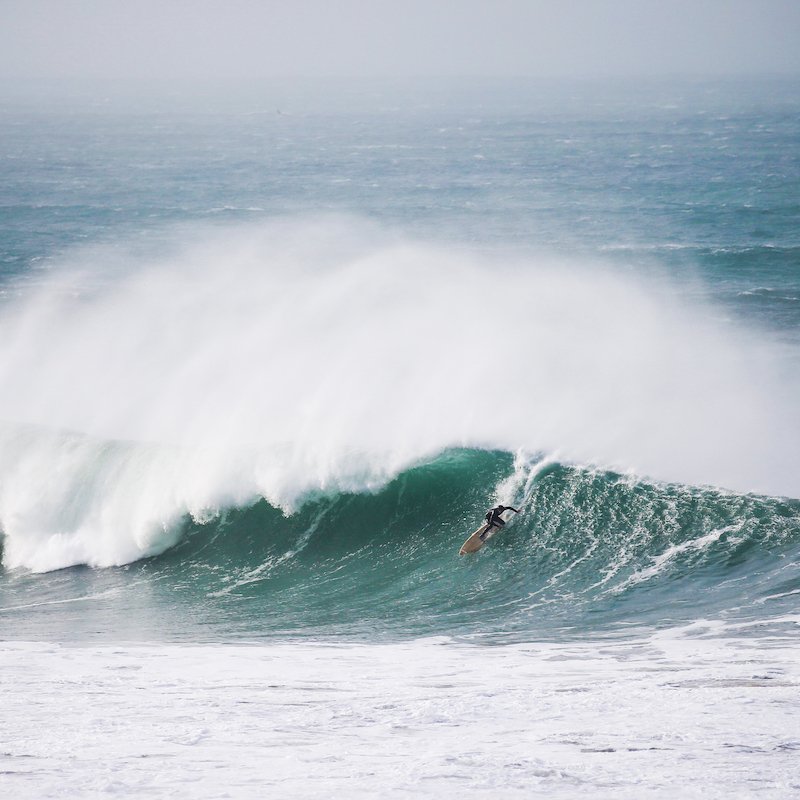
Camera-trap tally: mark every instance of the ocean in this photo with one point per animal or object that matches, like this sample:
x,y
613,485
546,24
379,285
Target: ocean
x,y
267,358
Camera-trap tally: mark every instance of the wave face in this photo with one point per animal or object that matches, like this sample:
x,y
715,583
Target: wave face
x,y
591,550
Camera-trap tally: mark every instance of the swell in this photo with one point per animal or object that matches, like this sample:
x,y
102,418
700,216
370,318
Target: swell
x,y
590,548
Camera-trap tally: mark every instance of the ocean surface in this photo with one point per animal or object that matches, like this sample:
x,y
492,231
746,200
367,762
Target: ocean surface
x,y
265,362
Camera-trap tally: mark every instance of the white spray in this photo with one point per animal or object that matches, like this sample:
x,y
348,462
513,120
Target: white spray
x,y
326,355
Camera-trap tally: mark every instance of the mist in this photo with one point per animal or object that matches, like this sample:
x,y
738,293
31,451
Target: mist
x,y
206,42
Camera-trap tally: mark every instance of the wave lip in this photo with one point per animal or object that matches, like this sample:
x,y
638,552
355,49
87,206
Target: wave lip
x,y
68,499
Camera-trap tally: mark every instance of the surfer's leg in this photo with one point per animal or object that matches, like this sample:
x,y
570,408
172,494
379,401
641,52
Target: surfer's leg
x,y
497,523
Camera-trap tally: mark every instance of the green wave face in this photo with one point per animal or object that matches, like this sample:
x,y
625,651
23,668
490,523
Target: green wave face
x,y
591,551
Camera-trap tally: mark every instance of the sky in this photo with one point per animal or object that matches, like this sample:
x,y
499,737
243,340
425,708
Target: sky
x,y
199,40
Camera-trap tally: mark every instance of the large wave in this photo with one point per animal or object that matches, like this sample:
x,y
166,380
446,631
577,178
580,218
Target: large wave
x,y
311,358
590,550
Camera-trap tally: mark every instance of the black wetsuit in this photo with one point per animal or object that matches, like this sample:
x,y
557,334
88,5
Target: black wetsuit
x,y
494,518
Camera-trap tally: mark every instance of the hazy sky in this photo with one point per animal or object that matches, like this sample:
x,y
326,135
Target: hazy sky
x,y
202,39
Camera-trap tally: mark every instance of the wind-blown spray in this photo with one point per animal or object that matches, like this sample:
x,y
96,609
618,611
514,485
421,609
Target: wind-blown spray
x,y
322,356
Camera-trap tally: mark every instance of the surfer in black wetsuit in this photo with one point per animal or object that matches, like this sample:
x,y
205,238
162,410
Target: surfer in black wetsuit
x,y
494,520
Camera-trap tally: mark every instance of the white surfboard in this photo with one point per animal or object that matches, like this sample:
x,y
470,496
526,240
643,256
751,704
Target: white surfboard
x,y
474,541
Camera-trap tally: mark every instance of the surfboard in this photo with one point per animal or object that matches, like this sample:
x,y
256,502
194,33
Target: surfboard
x,y
474,541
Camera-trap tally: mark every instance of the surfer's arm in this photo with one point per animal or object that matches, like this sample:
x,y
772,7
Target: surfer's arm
x,y
511,508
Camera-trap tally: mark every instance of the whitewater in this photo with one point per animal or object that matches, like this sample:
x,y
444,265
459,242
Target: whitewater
x,y
261,374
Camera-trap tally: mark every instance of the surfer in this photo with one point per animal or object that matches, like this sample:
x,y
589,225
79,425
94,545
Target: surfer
x,y
494,518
